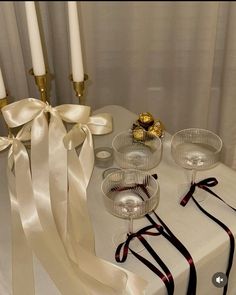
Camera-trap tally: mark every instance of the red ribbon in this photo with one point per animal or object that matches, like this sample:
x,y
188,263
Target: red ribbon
x,y
205,184
192,283
166,277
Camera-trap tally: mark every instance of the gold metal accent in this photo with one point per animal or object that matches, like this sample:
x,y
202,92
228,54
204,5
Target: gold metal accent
x,y
3,102
42,84
79,87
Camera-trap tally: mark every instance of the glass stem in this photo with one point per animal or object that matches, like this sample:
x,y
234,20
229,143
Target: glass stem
x,y
193,177
131,229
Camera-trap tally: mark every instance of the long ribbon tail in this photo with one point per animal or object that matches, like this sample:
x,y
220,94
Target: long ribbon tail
x,y
192,283
231,238
81,232
218,197
22,259
38,222
35,205
161,263
45,244
79,173
58,174
166,277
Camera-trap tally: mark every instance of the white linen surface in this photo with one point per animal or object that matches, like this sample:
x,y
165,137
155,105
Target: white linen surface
x,y
207,243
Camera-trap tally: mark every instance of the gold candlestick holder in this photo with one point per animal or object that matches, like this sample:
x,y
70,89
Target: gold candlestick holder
x,y
79,88
3,103
42,83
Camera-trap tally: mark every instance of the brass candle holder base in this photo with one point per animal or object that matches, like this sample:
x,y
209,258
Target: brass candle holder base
x,y
79,88
3,103
42,83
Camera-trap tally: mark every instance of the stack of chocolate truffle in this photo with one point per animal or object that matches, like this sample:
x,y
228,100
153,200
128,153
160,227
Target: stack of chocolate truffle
x,y
146,127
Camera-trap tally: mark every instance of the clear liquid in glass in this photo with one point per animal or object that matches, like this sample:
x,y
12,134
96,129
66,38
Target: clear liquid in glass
x,y
127,203
136,154
195,155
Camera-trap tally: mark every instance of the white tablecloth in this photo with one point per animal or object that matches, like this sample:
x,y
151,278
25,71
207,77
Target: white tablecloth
x,y
207,243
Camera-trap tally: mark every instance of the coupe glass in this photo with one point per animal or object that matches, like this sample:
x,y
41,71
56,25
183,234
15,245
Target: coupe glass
x,y
124,197
196,149
129,153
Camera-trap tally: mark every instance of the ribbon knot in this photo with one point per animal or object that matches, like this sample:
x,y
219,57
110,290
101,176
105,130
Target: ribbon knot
x,y
48,108
22,135
11,140
97,125
203,184
5,142
131,236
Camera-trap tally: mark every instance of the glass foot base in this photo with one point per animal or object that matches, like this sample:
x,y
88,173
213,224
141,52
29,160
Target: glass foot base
x,y
134,244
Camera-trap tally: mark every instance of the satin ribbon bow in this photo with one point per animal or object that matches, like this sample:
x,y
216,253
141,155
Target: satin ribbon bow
x,y
35,213
44,199
99,124
44,140
22,260
203,184
11,140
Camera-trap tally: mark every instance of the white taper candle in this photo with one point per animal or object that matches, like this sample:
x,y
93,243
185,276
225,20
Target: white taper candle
x,y
2,87
35,40
75,43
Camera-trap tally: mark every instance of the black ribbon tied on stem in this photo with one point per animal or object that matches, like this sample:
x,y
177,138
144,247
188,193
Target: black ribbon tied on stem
x,y
166,278
205,184
163,230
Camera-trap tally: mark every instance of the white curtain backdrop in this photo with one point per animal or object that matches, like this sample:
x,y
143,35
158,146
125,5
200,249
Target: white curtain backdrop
x,y
176,60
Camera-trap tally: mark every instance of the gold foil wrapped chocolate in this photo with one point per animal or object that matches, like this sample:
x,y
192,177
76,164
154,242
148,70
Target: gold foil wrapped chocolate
x,y
159,124
154,131
139,133
157,129
145,120
146,127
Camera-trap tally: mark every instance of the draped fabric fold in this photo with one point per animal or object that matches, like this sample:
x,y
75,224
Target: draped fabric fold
x,y
67,253
42,235
81,233
22,261
28,109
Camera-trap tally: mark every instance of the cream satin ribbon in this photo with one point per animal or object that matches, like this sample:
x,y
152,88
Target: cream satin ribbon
x,y
35,203
22,261
26,110
79,172
45,241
